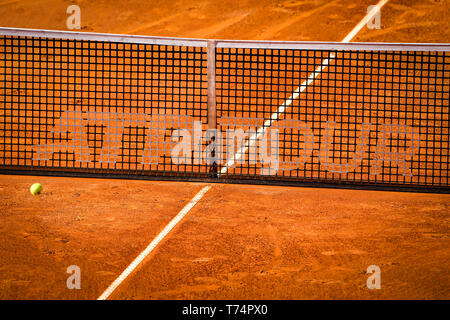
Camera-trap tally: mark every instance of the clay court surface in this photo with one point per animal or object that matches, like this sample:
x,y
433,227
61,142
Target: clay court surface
x,y
238,241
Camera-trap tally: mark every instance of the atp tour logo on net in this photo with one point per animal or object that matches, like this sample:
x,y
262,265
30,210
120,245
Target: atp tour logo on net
x,y
188,142
250,141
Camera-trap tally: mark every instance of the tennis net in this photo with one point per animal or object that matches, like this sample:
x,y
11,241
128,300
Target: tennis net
x,y
340,114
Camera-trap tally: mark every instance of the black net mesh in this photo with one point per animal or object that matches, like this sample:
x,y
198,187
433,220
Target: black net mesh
x,y
365,117
99,107
340,117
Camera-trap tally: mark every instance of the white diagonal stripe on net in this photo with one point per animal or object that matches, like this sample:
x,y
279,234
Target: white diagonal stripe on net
x,y
242,151
254,138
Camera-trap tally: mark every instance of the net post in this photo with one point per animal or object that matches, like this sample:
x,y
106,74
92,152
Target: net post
x,y
212,108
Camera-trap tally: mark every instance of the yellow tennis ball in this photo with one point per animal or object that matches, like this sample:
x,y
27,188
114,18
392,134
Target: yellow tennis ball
x,y
36,189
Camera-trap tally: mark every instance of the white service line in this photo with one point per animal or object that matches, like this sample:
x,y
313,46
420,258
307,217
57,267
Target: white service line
x,y
239,154
254,138
153,244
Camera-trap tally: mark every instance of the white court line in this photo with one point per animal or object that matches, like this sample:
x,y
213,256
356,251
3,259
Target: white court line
x,y
253,139
153,244
260,131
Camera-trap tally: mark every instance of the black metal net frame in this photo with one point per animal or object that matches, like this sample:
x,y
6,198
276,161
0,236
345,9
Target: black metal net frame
x,y
356,115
